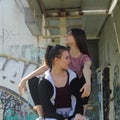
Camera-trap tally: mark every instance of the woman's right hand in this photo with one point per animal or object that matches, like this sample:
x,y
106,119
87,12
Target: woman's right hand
x,y
38,71
22,86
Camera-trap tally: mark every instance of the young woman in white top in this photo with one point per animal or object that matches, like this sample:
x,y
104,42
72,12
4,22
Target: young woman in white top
x,y
80,63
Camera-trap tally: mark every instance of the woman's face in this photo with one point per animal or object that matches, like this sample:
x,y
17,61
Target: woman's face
x,y
64,60
70,39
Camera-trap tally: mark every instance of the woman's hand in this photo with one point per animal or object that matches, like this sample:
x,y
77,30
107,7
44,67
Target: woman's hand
x,y
87,74
39,110
86,90
22,86
79,117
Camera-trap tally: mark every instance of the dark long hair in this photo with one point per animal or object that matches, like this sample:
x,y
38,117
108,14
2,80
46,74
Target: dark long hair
x,y
49,47
80,39
52,52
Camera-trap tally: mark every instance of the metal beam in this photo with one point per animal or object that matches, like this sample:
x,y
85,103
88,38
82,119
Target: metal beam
x,y
42,8
58,36
60,26
113,4
74,14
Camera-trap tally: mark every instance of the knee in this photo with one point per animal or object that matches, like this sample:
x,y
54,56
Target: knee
x,y
33,81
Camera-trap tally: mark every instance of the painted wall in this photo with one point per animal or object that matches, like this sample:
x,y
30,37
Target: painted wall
x,y
15,38
20,53
109,55
11,72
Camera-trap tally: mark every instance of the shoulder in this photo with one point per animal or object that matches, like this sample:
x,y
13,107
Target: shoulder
x,y
44,83
72,74
85,58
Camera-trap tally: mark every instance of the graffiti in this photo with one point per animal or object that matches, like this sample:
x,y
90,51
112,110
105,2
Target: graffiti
x,y
12,106
116,92
93,108
15,107
106,92
11,70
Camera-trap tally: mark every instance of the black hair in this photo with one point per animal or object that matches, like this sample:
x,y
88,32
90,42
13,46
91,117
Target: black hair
x,y
52,52
49,47
80,39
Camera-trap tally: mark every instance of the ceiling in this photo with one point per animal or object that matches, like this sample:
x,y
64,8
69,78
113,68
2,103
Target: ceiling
x,y
61,15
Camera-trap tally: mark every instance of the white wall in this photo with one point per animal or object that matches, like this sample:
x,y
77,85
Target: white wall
x,y
15,38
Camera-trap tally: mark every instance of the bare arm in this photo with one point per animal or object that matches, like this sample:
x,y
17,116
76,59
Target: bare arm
x,y
38,71
87,74
87,71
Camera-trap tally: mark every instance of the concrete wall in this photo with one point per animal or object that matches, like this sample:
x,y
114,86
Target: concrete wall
x,y
18,43
20,53
15,38
11,72
109,55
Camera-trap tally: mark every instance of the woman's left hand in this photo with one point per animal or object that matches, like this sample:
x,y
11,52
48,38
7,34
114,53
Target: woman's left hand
x,y
86,88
